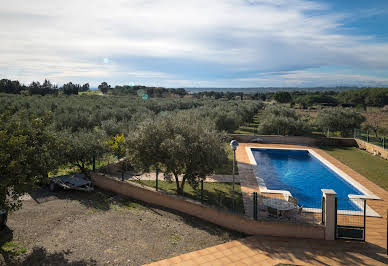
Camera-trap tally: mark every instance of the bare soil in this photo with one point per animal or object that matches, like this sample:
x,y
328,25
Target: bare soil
x,y
98,228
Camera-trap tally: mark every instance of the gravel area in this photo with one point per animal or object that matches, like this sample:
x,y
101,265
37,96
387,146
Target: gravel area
x,y
80,228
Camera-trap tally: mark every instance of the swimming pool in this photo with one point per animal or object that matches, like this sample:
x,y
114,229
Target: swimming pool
x,y
303,175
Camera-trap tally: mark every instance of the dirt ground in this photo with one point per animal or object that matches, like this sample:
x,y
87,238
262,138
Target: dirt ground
x,y
80,228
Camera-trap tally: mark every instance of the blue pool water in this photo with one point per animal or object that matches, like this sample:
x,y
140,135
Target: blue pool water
x,y
303,175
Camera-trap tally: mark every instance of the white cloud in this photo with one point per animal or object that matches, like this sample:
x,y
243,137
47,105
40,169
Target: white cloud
x,y
100,40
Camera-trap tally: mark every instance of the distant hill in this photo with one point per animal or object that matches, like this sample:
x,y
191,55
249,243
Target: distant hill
x,y
274,89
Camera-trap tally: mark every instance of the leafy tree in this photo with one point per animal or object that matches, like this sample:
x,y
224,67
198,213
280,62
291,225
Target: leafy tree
x,y
117,145
28,151
178,145
374,122
339,119
104,87
309,100
81,146
282,120
85,87
42,89
9,86
70,88
282,97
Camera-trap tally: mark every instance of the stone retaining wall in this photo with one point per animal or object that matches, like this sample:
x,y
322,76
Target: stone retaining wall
x,y
297,140
374,149
213,215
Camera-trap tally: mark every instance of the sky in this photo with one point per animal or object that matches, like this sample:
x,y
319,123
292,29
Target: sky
x,y
196,43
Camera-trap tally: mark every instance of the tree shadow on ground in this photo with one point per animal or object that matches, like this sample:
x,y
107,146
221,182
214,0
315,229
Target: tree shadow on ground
x,y
103,200
316,251
6,235
40,256
97,199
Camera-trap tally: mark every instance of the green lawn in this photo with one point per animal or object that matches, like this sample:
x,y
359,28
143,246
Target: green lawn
x,y
249,128
69,170
217,194
372,167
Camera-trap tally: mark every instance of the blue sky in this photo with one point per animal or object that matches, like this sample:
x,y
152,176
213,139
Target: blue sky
x,y
218,43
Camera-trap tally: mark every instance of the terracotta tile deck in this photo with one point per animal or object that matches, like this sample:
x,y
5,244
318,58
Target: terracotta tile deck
x,y
258,250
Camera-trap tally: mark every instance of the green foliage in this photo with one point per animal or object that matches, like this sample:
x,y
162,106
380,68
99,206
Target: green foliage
x,y
178,145
81,146
8,86
70,88
339,119
282,120
104,87
29,150
282,97
310,100
117,145
365,97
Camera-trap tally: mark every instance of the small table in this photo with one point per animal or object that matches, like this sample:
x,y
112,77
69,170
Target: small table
x,y
278,204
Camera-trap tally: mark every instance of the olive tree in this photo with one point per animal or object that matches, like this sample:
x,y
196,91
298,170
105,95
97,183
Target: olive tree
x,y
82,145
28,151
179,146
282,120
339,119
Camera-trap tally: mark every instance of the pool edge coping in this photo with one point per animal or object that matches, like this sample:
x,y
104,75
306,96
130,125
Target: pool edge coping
x,y
367,193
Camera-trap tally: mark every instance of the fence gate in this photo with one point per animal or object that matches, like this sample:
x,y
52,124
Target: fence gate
x,y
350,224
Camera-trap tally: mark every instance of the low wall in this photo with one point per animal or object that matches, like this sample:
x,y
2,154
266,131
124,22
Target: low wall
x,y
371,148
222,218
297,140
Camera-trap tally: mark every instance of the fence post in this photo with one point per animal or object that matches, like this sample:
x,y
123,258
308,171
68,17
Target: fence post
x,y
364,219
94,163
202,191
255,205
367,136
330,213
387,231
157,179
323,210
384,142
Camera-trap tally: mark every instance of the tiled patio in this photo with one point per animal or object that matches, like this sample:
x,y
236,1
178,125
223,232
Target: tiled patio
x,y
257,250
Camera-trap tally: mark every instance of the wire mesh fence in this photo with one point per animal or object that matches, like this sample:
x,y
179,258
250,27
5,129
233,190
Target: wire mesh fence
x,y
276,208
371,138
351,212
350,218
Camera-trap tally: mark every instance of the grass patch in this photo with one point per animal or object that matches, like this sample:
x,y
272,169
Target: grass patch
x,y
372,167
13,248
249,128
69,169
174,239
217,194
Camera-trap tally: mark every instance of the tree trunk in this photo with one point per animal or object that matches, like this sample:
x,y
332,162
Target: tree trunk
x,y
179,188
183,184
177,184
3,198
375,130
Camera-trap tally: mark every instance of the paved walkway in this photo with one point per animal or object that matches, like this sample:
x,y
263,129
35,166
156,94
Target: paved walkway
x,y
275,250
259,250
